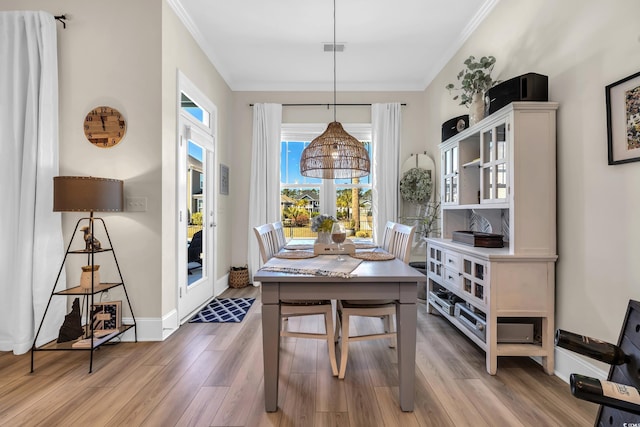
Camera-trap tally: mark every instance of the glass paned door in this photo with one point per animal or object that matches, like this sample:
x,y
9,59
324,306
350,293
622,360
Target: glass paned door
x,y
495,184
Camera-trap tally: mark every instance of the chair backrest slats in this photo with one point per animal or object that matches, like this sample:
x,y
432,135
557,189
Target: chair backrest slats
x,y
386,237
267,240
282,240
400,241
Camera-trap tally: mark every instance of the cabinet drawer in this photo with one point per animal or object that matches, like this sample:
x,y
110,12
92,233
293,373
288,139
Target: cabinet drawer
x,y
452,278
452,261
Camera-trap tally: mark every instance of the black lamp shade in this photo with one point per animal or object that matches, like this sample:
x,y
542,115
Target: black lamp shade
x,y
87,194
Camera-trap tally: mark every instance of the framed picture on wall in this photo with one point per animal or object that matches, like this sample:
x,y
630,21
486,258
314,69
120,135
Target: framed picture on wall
x,y
224,179
623,120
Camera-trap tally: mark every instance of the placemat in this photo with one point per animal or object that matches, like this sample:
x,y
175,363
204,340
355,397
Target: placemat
x,y
324,265
373,256
295,255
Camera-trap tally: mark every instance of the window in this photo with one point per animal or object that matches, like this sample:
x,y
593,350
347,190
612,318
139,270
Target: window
x,y
302,198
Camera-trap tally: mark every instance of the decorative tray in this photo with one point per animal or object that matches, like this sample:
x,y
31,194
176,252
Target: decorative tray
x,y
476,238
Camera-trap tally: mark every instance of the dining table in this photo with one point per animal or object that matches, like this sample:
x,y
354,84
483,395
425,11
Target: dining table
x,y
324,277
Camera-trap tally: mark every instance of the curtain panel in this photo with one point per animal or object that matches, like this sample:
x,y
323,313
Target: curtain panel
x,y
386,122
31,248
264,191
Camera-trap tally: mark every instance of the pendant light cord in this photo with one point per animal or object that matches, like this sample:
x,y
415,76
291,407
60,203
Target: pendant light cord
x,y
334,61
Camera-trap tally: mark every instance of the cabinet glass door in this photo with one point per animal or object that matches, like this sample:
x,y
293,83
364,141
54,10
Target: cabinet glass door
x,y
494,164
450,178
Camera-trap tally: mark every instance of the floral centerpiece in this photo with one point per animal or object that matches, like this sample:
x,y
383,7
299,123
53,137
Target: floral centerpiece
x,y
322,224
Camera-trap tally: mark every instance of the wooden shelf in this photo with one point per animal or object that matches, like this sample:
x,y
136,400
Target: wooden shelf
x,y
77,290
54,346
460,326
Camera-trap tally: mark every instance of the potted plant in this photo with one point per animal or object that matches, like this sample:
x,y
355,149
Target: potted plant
x,y
475,79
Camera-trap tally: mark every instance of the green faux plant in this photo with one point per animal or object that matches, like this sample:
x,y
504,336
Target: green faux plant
x,y
476,77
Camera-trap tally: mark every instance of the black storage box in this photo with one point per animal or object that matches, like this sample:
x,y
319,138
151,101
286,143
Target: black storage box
x,y
527,87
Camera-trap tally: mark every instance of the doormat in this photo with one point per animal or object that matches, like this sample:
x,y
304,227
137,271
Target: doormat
x,y
224,310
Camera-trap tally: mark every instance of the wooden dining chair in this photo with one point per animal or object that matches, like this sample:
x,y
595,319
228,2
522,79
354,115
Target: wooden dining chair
x,y
399,244
269,246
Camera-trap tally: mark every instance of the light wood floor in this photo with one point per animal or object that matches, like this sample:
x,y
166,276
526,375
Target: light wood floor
x,y
212,375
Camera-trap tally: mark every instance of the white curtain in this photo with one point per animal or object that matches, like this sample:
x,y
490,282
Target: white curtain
x,y
264,191
31,247
386,121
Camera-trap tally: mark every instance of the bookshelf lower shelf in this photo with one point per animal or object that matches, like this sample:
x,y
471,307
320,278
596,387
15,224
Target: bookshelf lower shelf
x,y
97,341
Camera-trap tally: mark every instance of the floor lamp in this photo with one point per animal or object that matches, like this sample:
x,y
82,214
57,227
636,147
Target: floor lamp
x,y
88,194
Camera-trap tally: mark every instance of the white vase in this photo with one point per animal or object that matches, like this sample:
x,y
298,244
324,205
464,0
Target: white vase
x,y
324,237
476,108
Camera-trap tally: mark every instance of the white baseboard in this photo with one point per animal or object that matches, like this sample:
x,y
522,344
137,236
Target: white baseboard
x,y
155,329
568,363
147,328
221,285
170,324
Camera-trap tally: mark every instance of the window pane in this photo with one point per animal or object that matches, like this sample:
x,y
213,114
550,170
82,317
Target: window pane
x,y
297,207
353,209
194,109
290,153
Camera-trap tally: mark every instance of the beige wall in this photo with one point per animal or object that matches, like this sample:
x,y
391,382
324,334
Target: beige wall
x,y
582,46
413,130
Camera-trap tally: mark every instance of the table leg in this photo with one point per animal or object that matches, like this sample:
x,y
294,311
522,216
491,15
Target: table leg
x,y
407,315
271,354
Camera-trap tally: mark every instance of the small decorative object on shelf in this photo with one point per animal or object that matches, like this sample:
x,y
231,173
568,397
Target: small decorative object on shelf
x,y
107,316
90,275
92,244
72,326
474,80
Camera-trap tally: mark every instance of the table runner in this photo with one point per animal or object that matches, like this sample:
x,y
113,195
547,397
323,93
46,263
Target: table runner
x,y
323,265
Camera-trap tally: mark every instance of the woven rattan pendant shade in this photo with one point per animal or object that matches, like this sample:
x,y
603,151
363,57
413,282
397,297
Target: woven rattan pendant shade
x,y
335,154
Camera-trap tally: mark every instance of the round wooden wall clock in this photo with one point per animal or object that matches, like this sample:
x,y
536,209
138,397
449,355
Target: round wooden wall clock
x,y
104,127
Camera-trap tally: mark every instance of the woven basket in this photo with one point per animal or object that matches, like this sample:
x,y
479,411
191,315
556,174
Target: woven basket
x,y
239,277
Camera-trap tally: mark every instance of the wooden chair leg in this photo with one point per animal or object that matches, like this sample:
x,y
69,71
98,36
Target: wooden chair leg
x,y
344,346
388,328
331,344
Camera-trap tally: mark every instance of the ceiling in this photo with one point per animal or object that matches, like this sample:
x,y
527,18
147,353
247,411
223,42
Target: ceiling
x,y
278,45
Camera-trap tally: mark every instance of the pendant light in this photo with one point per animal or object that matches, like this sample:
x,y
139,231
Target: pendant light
x,y
335,153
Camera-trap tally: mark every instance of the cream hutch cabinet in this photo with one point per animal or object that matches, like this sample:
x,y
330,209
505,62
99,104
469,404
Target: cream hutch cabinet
x,y
499,176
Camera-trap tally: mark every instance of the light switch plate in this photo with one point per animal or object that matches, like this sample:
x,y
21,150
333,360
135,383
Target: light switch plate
x,y
136,204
